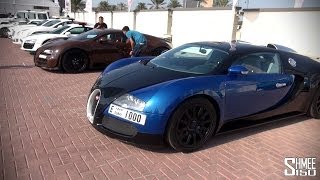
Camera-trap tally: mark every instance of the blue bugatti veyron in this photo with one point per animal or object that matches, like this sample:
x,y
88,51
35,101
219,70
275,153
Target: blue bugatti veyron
x,y
187,94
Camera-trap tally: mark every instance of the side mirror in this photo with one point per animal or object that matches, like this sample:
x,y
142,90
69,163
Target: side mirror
x,y
103,40
237,70
59,26
67,33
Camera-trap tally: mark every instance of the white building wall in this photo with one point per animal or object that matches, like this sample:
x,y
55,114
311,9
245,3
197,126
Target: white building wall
x,y
201,25
154,22
13,6
121,19
298,30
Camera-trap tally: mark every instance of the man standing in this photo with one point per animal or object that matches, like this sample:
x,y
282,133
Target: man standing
x,y
100,24
137,41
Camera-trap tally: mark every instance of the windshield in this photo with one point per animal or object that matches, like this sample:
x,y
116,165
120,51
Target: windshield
x,y
42,22
51,23
34,22
87,35
60,30
191,58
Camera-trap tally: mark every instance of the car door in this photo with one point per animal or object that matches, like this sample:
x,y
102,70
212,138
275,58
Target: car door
x,y
263,87
109,48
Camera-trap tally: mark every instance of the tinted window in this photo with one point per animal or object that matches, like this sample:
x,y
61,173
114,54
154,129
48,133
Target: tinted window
x,y
260,63
87,35
51,23
114,37
42,16
60,30
4,15
20,15
42,22
191,58
34,22
77,30
32,15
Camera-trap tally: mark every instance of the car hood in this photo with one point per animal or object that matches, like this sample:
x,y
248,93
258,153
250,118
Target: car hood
x,y
57,43
133,77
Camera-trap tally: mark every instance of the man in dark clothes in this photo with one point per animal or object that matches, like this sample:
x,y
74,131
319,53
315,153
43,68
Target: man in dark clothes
x,y
100,24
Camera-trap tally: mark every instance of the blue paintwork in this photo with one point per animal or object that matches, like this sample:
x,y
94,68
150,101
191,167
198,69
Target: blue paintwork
x,y
237,69
236,96
124,62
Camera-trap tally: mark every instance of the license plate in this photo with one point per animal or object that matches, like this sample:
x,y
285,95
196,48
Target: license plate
x,y
42,56
128,115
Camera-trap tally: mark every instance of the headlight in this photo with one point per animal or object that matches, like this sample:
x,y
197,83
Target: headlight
x,y
130,102
48,51
31,41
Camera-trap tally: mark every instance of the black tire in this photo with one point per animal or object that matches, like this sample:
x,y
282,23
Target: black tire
x,y
74,61
191,125
314,110
159,51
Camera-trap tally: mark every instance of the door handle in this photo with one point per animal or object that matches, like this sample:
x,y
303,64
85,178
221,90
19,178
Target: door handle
x,y
280,85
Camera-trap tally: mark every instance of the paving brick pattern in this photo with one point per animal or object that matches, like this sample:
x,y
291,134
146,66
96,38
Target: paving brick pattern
x,y
44,134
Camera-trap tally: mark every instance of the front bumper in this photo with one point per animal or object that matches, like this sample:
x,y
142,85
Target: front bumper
x,y
126,132
45,61
151,132
29,47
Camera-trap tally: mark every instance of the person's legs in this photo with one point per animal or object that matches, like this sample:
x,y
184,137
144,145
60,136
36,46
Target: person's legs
x,y
137,50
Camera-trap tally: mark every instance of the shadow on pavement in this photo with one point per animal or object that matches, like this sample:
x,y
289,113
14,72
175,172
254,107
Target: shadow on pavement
x,y
16,66
234,131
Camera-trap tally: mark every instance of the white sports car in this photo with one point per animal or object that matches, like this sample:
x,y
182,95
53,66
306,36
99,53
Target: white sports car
x,y
33,42
17,26
47,27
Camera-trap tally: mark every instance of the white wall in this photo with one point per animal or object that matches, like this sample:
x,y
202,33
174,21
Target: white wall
x,y
121,19
298,30
153,22
90,18
201,25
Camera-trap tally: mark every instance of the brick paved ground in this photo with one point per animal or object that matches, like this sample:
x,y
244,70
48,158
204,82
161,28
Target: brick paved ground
x,y
44,134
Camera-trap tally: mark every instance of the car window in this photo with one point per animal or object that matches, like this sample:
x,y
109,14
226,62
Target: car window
x,y
114,37
191,58
42,22
31,15
51,23
77,30
260,63
20,15
42,16
60,30
34,22
87,35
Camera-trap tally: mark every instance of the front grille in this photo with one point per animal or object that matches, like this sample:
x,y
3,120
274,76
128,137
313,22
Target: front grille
x,y
28,45
119,127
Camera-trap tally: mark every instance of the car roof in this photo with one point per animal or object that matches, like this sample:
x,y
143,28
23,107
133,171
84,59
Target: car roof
x,y
239,47
103,31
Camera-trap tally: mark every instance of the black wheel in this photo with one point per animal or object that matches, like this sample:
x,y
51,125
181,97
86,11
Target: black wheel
x,y
74,61
314,110
191,125
159,51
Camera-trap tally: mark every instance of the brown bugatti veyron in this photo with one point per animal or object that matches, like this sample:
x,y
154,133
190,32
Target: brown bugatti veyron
x,y
92,49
